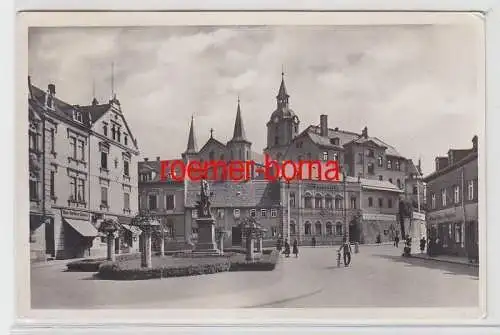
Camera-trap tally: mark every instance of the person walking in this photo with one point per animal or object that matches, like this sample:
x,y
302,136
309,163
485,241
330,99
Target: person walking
x,y
396,241
314,241
346,249
287,248
279,244
295,248
422,244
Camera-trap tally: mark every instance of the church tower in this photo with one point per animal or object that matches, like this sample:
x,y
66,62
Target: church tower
x,y
192,149
239,147
283,125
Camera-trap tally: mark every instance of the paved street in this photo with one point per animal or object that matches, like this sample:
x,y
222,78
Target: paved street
x,y
378,277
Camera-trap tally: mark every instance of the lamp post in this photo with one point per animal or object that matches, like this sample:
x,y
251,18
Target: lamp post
x,y
345,208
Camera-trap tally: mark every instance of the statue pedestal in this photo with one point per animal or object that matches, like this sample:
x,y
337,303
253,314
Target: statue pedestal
x,y
206,237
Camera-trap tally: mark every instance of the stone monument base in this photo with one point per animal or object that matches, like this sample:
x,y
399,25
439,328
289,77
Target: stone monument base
x,y
206,237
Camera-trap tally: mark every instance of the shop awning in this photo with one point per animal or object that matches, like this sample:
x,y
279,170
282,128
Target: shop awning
x,y
84,228
133,229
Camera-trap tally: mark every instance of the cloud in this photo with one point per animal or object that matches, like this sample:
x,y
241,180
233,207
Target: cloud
x,y
415,87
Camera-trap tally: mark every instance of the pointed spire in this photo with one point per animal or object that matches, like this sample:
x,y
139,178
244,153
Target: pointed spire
x,y
191,146
239,130
282,97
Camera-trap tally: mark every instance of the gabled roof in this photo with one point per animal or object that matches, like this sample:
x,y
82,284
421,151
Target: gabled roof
x,y
343,136
212,140
470,157
96,111
374,184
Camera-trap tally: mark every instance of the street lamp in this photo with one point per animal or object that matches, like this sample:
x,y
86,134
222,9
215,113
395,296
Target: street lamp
x,y
345,208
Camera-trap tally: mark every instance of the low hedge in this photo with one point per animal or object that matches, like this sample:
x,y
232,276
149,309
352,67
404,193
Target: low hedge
x,y
92,264
117,270
267,262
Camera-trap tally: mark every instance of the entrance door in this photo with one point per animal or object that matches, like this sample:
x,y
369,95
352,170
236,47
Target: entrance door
x,y
49,238
353,233
236,236
117,245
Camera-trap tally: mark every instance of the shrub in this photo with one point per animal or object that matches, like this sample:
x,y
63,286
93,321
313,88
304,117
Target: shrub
x,y
120,270
266,263
92,265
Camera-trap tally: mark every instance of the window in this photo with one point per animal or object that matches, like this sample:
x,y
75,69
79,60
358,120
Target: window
x,y
72,190
329,228
33,141
328,201
125,139
169,202
252,213
398,167
353,202
371,168
307,228
194,214
318,201
52,184
113,132
81,150
443,197
104,160
77,116
119,134
72,145
415,189
308,201
338,202
338,229
380,202
52,140
81,190
274,213
389,164
126,201
293,230
398,182
370,202
325,155
104,196
335,156
126,168
470,190
292,199
380,161
318,229
380,178
116,163
236,213
152,205
389,203
33,189
458,233
263,212
105,129
456,194
433,201
371,153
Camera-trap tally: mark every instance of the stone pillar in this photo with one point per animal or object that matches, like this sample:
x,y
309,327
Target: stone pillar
x,y
249,246
259,245
221,244
110,241
162,244
206,236
146,259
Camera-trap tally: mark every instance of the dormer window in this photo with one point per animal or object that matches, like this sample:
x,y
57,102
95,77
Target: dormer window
x,y
125,139
105,129
77,116
334,141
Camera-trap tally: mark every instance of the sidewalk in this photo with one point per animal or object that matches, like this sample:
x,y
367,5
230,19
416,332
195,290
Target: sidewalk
x,y
446,259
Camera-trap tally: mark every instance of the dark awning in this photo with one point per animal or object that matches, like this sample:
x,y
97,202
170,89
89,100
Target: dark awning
x,y
84,228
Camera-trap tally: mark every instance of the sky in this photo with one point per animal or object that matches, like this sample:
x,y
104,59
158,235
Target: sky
x,y
415,87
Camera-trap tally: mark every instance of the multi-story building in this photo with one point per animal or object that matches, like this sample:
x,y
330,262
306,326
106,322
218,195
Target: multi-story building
x,y
81,177
452,202
363,207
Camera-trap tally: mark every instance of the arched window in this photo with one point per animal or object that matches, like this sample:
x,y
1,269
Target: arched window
x,y
308,200
307,228
380,161
338,229
338,202
398,182
328,201
293,229
329,228
318,201
318,229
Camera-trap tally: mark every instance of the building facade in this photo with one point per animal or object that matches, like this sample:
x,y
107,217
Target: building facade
x,y
73,184
363,205
452,202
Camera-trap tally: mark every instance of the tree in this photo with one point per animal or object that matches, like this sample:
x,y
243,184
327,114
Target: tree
x,y
147,222
405,211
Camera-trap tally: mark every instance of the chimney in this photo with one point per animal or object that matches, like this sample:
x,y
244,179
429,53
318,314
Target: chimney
x,y
474,143
419,166
52,89
146,159
323,124
441,163
157,158
336,129
364,133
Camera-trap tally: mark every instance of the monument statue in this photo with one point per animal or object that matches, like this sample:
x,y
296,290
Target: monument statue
x,y
204,203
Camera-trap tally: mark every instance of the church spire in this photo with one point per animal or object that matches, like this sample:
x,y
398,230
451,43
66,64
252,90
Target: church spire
x,y
239,130
191,146
282,97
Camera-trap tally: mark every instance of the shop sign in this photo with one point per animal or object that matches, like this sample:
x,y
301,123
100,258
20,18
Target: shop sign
x,y
379,217
77,215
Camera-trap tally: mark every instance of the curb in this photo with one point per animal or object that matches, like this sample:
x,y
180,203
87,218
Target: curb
x,y
474,265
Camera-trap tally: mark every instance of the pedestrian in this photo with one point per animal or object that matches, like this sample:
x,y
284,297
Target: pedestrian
x,y
422,245
295,248
314,241
396,241
279,244
287,248
346,249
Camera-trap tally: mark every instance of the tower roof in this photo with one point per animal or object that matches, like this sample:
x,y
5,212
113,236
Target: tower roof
x,y
282,93
239,130
191,146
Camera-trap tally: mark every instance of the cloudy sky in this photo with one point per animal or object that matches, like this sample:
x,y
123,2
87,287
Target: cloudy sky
x,y
415,87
